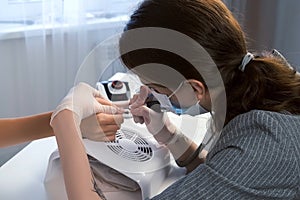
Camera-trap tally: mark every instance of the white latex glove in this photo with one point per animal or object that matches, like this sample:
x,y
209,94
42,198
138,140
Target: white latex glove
x,y
157,124
102,126
82,102
139,100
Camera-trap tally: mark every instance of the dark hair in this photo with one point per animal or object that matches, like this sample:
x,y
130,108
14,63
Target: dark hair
x,y
267,82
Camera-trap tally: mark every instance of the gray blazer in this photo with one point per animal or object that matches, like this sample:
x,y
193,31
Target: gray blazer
x,y
257,157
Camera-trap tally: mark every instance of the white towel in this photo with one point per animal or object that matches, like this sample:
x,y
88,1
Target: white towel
x,y
112,183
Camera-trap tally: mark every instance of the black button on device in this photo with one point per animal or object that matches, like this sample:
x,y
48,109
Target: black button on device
x,y
117,85
117,90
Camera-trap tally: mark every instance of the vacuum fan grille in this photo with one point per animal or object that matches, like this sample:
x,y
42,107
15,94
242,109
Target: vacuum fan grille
x,y
130,146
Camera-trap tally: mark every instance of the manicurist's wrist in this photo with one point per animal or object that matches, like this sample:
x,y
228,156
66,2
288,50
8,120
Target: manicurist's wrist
x,y
166,134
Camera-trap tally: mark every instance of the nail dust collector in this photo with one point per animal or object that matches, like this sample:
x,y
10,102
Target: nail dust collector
x,y
135,154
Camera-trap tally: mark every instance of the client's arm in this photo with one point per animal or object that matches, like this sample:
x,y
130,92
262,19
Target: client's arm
x,y
79,104
76,168
18,130
98,127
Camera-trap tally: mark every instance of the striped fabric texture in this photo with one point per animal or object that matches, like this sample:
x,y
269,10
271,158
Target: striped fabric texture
x,y
257,157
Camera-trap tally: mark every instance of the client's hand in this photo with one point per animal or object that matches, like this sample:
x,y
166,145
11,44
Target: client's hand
x,y
101,126
81,100
157,123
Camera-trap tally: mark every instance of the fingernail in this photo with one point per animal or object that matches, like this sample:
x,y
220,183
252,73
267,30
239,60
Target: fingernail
x,y
127,114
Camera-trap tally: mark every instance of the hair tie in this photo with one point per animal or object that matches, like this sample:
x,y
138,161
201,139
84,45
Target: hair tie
x,y
277,54
247,58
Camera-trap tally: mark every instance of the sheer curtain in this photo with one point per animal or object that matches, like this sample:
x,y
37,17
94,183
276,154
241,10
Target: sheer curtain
x,y
43,44
270,24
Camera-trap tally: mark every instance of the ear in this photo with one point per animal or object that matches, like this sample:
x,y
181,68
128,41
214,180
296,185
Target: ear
x,y
199,88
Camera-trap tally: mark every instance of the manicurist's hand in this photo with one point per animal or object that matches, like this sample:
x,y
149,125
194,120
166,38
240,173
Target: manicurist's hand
x,y
157,123
163,130
139,100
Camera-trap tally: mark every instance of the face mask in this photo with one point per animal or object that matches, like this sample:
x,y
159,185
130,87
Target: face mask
x,y
164,101
192,110
166,105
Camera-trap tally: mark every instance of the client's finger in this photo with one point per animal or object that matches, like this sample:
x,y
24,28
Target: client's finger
x,y
109,138
109,119
104,101
110,129
121,104
99,108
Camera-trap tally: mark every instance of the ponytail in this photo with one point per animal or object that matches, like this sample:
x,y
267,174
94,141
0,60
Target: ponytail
x,y
267,83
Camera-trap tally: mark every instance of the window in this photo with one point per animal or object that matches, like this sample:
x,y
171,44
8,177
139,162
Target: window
x,y
15,10
36,11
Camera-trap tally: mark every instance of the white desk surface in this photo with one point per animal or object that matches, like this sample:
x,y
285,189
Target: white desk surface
x,y
22,177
